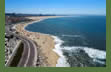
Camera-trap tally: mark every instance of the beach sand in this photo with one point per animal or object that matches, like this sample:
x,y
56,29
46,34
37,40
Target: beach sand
x,y
48,58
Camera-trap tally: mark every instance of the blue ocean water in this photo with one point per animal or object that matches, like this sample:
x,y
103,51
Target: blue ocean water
x,y
76,31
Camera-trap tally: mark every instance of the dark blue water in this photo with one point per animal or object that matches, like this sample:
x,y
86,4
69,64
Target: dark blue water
x,y
88,31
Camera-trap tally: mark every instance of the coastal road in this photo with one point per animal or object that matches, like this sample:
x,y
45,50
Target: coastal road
x,y
29,55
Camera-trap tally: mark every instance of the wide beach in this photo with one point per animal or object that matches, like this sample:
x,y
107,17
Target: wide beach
x,y
46,44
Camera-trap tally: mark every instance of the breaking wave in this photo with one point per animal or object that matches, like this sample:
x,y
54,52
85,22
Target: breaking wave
x,y
95,54
71,35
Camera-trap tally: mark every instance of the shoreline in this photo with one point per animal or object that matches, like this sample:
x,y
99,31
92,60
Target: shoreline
x,y
50,50
45,42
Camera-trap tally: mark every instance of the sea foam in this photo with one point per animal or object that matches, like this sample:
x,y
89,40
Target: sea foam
x,y
95,54
71,35
62,61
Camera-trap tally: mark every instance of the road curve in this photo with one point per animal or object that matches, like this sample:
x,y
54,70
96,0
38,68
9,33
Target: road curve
x,y
25,54
29,55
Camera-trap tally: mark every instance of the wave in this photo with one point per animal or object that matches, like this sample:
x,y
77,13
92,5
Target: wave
x,y
71,35
95,54
62,61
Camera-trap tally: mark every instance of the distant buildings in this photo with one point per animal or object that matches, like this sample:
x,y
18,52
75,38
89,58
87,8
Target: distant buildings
x,y
13,18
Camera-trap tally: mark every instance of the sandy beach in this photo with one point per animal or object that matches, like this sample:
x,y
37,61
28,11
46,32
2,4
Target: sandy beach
x,y
45,42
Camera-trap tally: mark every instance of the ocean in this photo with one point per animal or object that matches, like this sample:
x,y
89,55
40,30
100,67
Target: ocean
x,y
80,41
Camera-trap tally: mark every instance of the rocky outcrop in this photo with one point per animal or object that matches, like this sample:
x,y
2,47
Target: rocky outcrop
x,y
78,58
10,43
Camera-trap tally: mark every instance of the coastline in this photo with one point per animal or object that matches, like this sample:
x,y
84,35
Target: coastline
x,y
44,41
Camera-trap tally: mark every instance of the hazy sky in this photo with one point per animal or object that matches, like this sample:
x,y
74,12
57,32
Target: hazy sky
x,y
56,6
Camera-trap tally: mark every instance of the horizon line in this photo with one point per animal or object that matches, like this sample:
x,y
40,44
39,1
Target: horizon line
x,y
52,14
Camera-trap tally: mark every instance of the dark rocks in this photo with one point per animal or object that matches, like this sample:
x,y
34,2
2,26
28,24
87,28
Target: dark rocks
x,y
78,58
10,43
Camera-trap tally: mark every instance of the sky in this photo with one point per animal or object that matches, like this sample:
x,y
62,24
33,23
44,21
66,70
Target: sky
x,y
97,7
